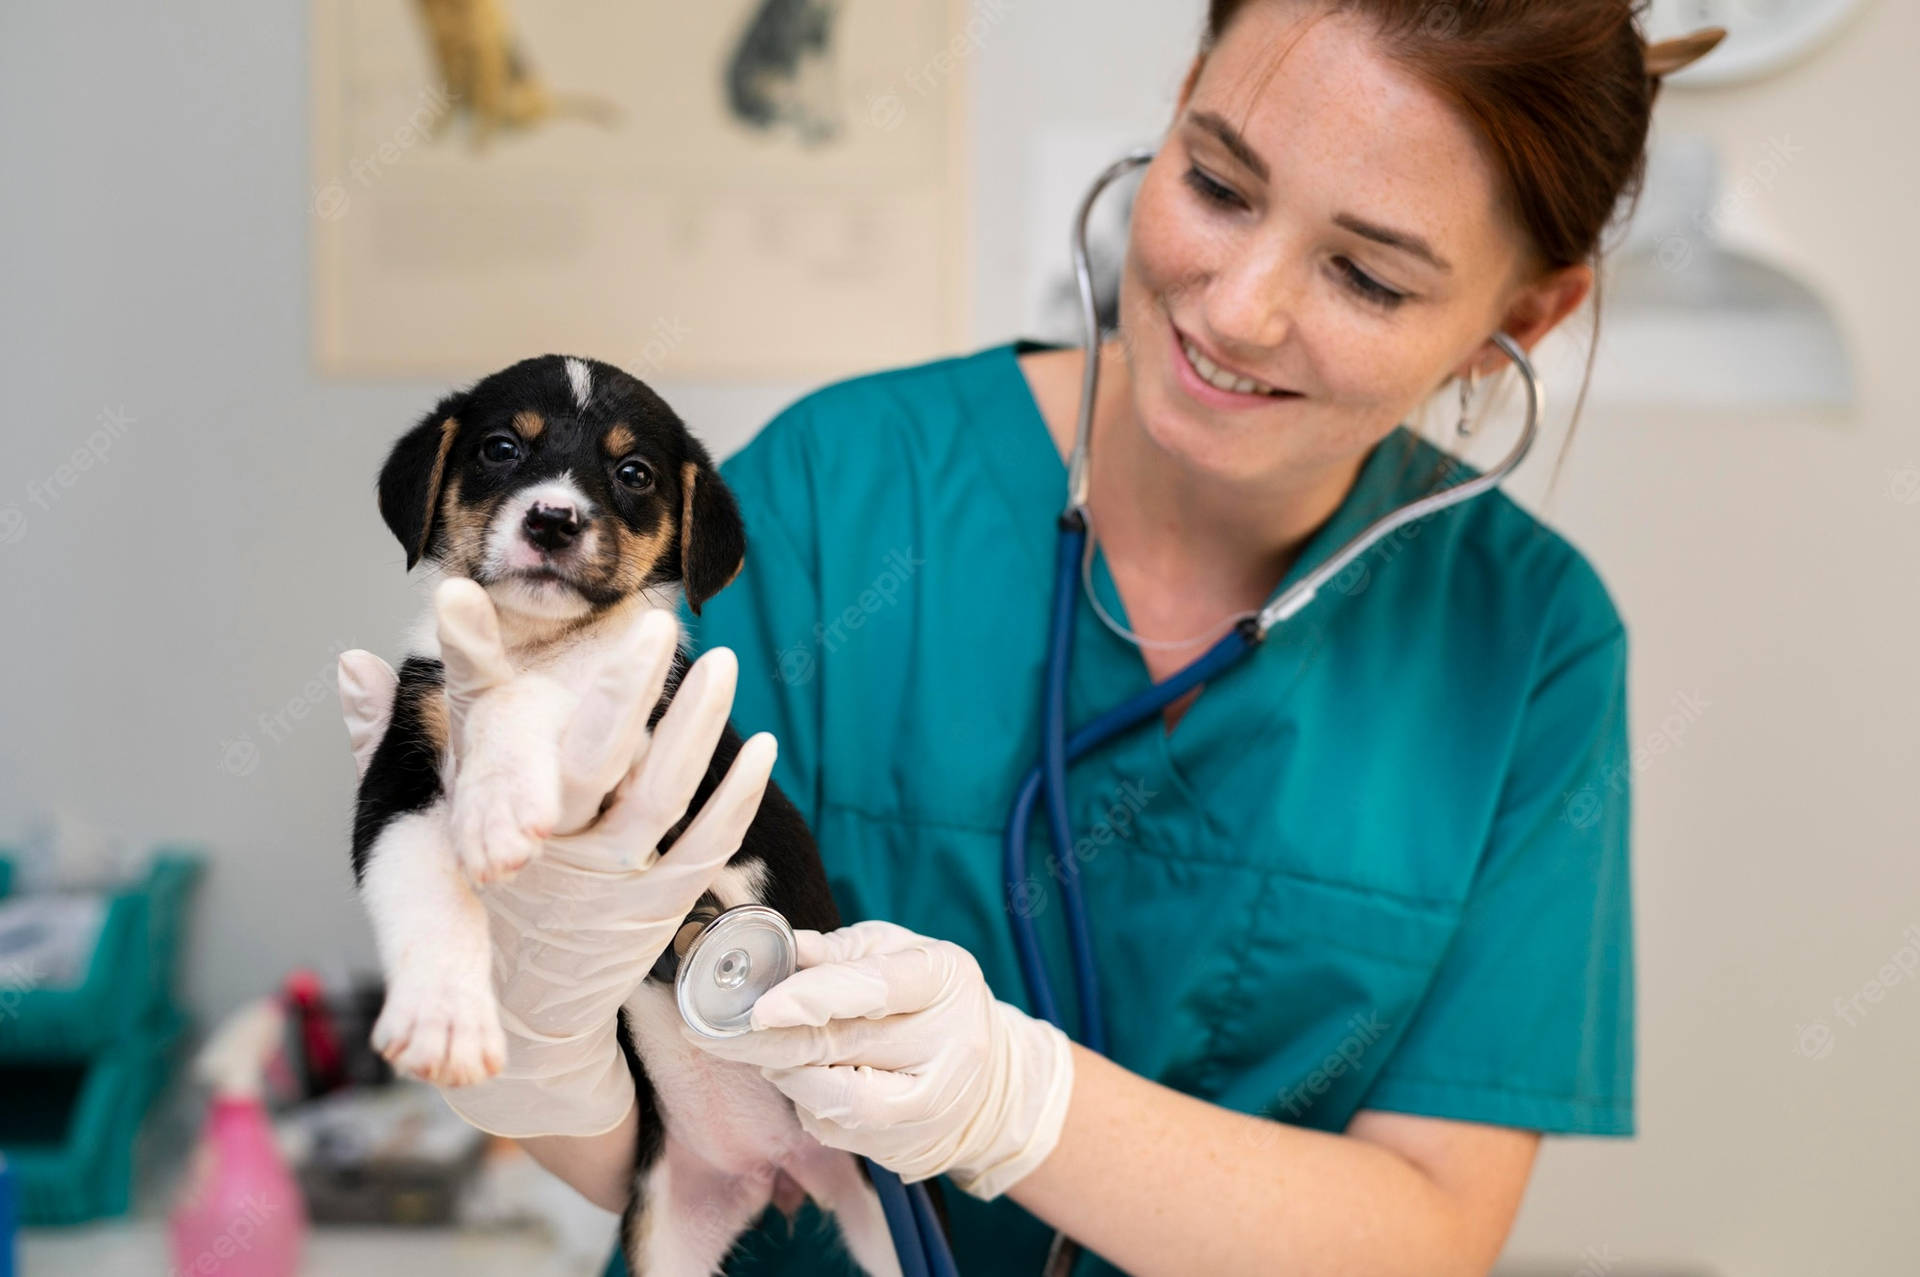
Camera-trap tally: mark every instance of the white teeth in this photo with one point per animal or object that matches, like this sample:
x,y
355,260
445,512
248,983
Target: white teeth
x,y
1219,378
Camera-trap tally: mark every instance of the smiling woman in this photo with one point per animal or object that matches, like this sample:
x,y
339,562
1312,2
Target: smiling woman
x,y
1368,822
1351,199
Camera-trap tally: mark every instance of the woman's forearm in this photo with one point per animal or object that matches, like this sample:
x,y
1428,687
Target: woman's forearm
x,y
1156,1181
598,1167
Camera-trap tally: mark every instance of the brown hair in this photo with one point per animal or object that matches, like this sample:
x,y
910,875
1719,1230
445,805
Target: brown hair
x,y
1561,92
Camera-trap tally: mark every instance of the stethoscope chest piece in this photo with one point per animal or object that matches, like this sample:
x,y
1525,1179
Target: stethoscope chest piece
x,y
737,957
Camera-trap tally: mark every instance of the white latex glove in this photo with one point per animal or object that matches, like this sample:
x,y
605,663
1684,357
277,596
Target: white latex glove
x,y
891,1046
577,929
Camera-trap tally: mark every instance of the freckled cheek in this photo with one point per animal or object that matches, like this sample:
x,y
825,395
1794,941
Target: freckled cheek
x,y
1172,250
1374,371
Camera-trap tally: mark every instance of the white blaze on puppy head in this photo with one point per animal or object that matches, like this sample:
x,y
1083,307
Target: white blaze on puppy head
x,y
581,378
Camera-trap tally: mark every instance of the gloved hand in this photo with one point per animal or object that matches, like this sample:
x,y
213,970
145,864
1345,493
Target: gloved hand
x,y
891,1045
577,929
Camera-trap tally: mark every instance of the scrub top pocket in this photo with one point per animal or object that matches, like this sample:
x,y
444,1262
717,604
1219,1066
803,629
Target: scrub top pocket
x,y
1327,978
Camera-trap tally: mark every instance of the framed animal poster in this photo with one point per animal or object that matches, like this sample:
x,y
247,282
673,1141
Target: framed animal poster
x,y
736,189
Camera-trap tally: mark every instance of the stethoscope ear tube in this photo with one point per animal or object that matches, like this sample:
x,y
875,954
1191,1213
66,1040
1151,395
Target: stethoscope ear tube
x,y
1078,476
1302,592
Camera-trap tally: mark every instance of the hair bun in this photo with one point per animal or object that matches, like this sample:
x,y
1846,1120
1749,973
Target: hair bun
x,y
1668,56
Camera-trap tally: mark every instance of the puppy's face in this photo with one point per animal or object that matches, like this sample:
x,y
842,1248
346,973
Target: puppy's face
x,y
564,486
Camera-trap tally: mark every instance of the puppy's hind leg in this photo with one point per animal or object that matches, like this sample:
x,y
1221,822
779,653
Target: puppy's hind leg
x,y
834,1180
687,1215
440,1022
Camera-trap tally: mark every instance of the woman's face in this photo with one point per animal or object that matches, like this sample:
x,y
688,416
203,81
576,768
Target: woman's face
x,y
1318,222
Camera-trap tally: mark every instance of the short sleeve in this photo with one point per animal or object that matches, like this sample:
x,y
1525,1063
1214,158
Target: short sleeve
x,y
769,615
1529,1019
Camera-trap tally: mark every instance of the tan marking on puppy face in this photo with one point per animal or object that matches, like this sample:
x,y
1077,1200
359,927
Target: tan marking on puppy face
x,y
619,440
636,555
463,529
448,429
529,423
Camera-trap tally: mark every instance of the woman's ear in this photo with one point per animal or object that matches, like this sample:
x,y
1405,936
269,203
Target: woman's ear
x,y
410,481
713,541
1536,309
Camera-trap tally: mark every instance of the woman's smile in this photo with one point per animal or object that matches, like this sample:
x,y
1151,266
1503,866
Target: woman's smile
x,y
1217,384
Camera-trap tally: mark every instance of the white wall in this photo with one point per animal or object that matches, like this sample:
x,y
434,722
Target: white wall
x,y
173,610
1772,567
196,581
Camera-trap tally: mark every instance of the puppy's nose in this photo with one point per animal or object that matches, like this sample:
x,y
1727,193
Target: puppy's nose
x,y
552,527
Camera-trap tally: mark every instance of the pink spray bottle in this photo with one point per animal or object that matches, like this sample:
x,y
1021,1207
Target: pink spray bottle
x,y
240,1212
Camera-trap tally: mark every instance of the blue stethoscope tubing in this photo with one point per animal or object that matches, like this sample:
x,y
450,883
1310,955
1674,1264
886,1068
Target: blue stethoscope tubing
x,y
1059,748
917,1238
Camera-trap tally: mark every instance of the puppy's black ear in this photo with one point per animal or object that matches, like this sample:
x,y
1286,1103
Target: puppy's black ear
x,y
410,480
713,541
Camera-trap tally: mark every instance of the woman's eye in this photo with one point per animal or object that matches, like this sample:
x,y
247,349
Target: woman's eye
x,y
634,474
1369,288
500,449
1207,188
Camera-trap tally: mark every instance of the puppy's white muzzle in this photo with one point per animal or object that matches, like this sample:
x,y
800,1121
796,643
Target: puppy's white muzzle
x,y
534,541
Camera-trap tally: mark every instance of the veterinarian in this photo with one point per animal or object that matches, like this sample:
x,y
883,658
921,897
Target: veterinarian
x,y
1361,904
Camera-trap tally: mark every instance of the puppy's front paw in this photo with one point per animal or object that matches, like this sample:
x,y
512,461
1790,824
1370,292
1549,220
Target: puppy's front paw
x,y
502,815
441,1027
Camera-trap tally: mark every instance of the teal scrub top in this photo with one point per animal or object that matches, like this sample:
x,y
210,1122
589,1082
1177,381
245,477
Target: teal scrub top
x,y
1381,864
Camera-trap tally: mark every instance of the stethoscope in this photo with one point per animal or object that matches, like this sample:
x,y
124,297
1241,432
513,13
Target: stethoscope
x,y
717,982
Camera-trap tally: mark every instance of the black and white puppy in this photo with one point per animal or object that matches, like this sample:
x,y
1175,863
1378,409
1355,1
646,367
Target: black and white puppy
x,y
576,497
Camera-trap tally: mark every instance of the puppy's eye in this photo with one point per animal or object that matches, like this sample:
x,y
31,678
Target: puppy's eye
x,y
500,449
634,473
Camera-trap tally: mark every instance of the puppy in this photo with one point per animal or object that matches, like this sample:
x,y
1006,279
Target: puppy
x,y
576,498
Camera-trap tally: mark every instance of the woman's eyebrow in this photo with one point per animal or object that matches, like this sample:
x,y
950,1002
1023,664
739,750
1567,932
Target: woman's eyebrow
x,y
1230,137
1406,241
1217,127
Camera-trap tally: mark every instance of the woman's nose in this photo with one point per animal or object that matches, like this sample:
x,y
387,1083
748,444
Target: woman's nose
x,y
1251,300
